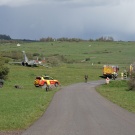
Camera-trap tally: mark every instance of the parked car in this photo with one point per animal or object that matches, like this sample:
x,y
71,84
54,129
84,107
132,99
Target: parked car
x,y
43,81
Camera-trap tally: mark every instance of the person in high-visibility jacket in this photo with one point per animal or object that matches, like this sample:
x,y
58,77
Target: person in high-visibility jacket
x,y
122,75
48,82
125,75
48,85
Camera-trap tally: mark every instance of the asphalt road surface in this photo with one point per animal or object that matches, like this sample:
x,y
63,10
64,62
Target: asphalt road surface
x,y
79,110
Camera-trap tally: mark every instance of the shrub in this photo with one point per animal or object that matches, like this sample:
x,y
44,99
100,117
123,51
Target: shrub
x,y
87,59
131,82
3,69
36,54
53,61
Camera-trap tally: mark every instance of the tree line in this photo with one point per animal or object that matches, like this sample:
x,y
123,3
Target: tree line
x,y
7,38
50,39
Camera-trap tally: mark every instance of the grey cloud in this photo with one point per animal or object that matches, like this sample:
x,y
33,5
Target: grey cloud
x,y
15,3
87,19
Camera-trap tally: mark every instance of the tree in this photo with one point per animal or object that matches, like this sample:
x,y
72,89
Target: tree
x,y
105,39
49,39
4,37
3,69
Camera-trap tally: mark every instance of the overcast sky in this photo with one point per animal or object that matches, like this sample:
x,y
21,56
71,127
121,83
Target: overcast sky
x,y
85,19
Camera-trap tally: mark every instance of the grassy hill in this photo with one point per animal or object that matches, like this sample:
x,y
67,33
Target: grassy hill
x,y
66,61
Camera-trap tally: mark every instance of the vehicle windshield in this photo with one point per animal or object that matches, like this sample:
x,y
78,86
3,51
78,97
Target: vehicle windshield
x,y
48,78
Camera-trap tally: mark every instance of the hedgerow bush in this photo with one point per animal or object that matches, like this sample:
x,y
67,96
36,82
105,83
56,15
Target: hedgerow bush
x,y
3,69
131,82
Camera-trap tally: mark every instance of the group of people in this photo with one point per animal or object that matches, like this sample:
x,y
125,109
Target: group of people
x,y
123,76
86,79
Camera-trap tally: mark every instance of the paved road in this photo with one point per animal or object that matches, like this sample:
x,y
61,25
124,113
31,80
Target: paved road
x,y
79,110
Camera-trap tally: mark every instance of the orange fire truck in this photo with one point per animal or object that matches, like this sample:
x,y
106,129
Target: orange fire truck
x,y
110,71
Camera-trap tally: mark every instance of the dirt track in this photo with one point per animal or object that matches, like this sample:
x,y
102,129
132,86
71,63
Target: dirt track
x,y
79,110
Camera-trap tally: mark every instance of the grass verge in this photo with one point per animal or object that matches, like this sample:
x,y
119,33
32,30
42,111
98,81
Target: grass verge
x,y
19,108
118,93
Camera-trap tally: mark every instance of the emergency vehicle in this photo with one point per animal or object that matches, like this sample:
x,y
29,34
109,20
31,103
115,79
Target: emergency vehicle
x,y
43,81
110,71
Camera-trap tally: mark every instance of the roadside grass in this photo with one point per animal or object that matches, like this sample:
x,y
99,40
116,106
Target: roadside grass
x,y
118,92
19,108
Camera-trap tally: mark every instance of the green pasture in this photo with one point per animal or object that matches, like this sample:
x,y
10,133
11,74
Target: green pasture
x,y
98,52
118,92
21,107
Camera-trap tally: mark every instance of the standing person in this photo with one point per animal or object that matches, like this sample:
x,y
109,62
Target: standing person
x,y
48,85
125,75
107,80
86,78
122,75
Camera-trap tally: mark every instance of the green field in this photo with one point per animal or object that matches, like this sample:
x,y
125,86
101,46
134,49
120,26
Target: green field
x,y
118,92
65,62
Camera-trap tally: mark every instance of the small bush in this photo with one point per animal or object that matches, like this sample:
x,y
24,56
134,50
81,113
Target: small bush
x,y
53,61
131,84
36,54
3,69
87,59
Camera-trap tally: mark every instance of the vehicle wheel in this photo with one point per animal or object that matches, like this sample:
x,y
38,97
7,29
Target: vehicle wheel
x,y
44,86
56,84
1,84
